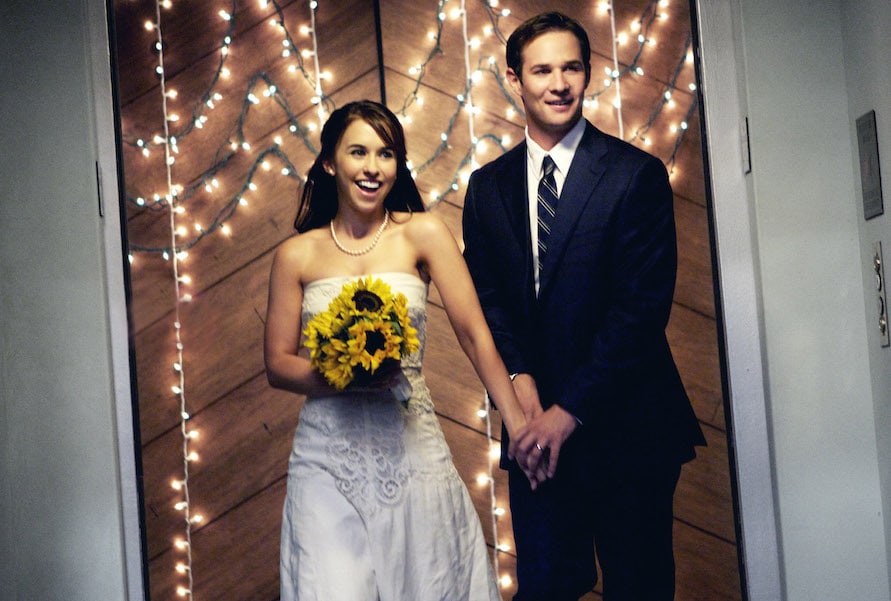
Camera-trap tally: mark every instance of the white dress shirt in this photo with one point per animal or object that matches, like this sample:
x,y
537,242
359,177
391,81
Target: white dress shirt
x,y
562,155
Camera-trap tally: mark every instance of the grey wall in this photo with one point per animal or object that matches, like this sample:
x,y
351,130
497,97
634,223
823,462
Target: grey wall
x,y
62,505
865,27
804,71
820,391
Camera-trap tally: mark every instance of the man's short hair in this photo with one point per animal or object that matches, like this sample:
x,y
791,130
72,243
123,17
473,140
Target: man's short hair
x,y
538,25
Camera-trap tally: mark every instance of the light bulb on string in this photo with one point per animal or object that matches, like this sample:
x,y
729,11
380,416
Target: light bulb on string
x,y
495,451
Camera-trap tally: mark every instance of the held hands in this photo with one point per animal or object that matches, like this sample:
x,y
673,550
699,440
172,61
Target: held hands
x,y
536,446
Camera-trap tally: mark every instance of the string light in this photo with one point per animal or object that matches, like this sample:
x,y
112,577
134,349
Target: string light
x,y
643,24
178,389
615,73
494,511
469,81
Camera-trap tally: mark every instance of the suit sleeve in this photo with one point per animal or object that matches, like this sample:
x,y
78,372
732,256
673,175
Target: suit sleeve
x,y
643,255
483,230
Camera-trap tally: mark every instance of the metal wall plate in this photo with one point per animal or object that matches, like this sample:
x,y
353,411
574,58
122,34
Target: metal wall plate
x,y
879,269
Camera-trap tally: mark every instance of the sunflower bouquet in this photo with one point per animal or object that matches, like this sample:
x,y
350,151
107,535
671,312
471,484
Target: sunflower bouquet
x,y
365,327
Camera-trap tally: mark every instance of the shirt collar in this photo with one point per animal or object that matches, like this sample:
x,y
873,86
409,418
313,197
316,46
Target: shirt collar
x,y
562,152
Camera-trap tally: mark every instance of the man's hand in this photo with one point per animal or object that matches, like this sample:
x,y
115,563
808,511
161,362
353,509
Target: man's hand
x,y
537,446
527,395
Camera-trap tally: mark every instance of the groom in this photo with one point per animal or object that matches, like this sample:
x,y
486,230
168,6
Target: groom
x,y
570,239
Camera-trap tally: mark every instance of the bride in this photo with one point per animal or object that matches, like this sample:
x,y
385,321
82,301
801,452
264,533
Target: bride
x,y
375,508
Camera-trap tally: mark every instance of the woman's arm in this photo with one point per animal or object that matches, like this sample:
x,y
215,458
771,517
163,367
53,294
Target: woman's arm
x,y
287,364
439,254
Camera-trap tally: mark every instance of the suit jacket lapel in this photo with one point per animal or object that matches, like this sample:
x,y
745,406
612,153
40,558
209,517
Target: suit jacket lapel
x,y
511,185
511,180
588,167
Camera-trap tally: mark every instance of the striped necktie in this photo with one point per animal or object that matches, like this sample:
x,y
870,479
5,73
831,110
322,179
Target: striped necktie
x,y
547,205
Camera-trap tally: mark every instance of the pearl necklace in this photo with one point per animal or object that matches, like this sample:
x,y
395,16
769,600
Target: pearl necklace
x,y
367,249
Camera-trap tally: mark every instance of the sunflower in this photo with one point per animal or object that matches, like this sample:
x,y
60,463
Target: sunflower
x,y
364,327
372,342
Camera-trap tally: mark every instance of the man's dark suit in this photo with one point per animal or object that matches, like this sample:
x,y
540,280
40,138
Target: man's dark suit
x,y
594,338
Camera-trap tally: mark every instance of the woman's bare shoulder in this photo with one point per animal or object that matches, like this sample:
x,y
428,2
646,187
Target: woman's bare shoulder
x,y
299,248
422,225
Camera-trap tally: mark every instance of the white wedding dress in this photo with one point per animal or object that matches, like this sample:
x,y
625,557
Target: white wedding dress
x,y
375,509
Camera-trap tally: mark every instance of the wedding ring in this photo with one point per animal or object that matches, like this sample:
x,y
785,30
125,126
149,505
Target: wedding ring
x,y
538,446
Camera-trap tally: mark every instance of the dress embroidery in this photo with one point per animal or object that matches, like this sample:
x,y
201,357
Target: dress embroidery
x,y
365,449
